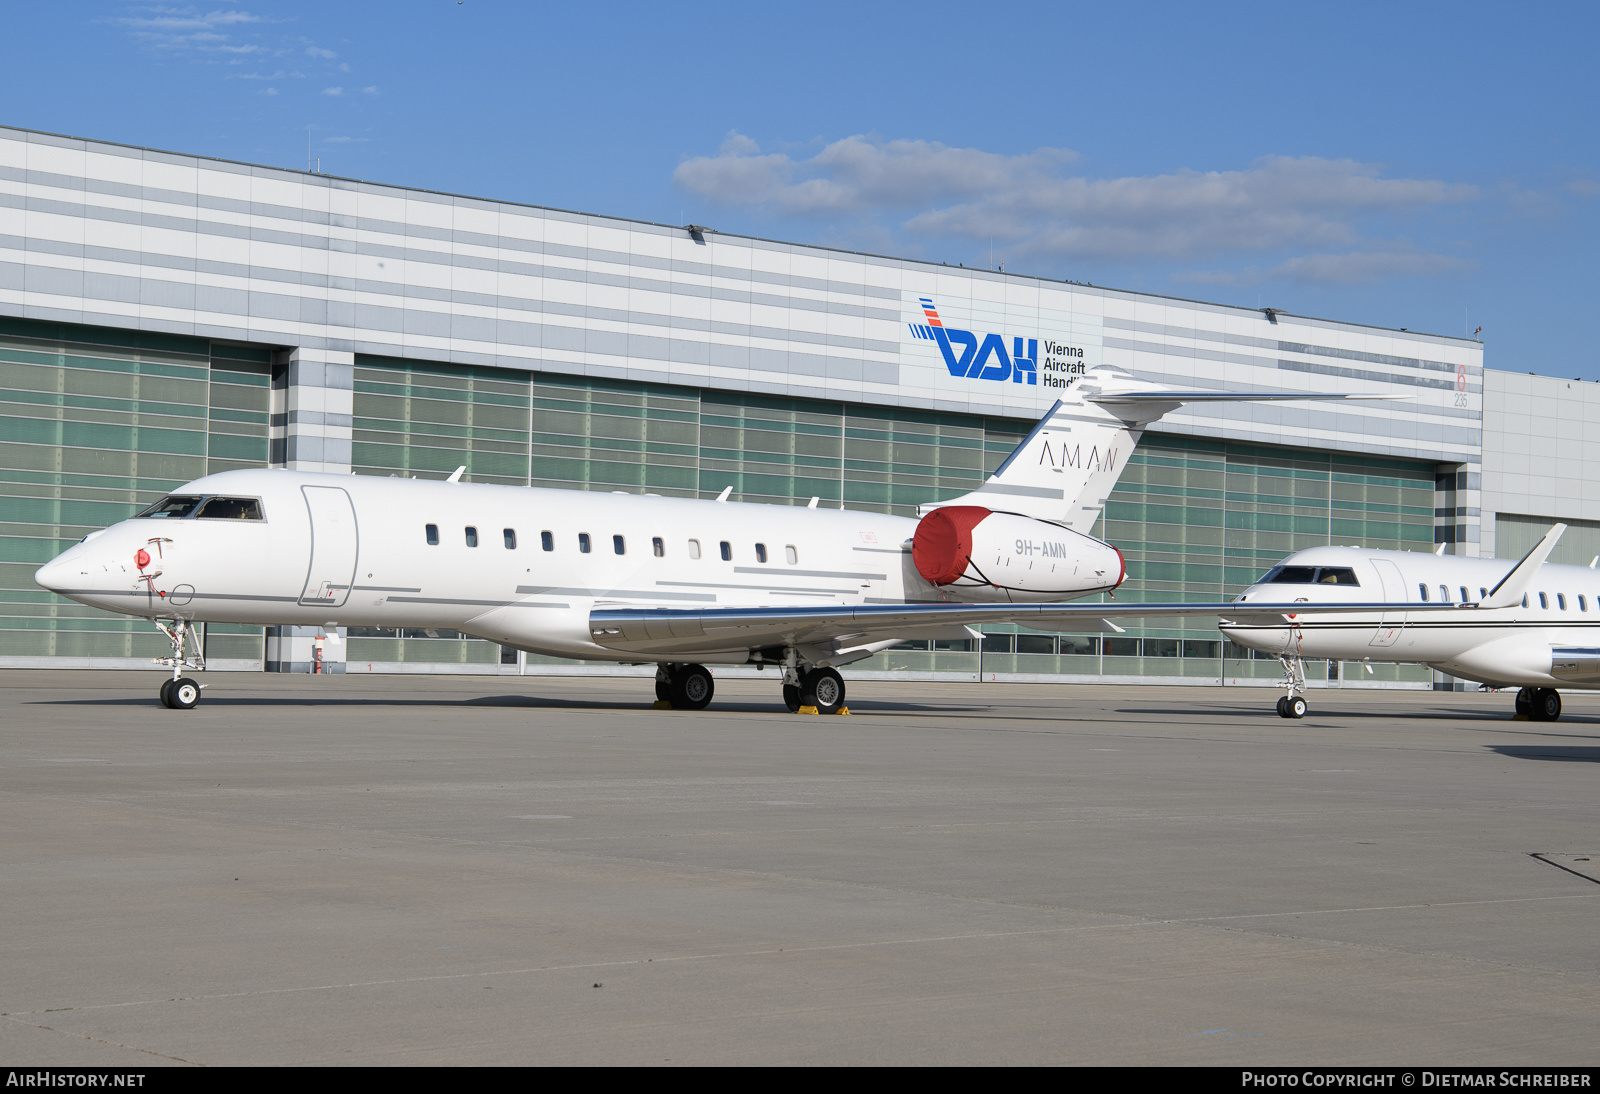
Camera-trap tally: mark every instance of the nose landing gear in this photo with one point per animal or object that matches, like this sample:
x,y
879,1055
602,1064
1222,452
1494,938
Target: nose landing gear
x,y
181,692
1292,705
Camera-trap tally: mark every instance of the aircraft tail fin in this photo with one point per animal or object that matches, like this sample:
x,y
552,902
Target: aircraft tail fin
x,y
1064,470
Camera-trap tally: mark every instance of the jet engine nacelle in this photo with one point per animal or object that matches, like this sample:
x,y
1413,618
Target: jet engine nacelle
x,y
976,554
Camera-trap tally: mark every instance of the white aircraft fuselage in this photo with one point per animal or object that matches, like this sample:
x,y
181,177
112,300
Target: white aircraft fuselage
x,y
510,564
1547,641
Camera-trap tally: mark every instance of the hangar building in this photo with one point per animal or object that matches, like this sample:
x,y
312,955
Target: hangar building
x,y
164,316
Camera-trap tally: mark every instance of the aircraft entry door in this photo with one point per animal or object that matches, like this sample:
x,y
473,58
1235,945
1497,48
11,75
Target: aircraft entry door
x,y
1390,624
333,546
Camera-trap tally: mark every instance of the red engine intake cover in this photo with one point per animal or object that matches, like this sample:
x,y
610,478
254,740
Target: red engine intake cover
x,y
943,542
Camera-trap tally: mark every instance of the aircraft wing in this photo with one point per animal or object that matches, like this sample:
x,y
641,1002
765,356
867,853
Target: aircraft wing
x,y
685,631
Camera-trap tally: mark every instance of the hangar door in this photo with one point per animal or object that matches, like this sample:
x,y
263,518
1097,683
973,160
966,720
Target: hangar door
x,y
333,546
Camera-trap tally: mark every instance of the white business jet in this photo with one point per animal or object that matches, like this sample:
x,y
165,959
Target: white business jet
x,y
641,579
1527,625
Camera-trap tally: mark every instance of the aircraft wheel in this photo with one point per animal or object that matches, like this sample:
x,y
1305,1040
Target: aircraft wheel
x,y
692,688
1525,702
1283,705
183,693
1546,705
791,697
166,694
664,686
823,689
1296,708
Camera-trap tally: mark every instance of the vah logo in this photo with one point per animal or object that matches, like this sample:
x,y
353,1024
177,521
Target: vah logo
x,y
986,360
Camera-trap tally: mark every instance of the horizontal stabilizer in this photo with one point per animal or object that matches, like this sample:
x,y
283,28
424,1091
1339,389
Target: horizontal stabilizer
x,y
1514,586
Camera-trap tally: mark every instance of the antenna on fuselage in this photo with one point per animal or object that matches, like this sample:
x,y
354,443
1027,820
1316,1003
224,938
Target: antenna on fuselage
x,y
726,490
1439,550
812,504
455,476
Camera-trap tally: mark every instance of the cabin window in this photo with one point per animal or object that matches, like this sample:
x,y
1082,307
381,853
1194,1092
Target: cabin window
x,y
791,554
727,551
1464,597
1423,589
658,547
619,545
583,543
1583,605
694,548
761,552
1561,601
230,509
511,539
173,507
1444,594
1524,600
1544,602
1483,594
433,535
547,541
472,536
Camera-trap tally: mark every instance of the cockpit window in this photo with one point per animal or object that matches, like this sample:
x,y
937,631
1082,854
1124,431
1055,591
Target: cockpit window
x,y
1309,575
172,507
230,509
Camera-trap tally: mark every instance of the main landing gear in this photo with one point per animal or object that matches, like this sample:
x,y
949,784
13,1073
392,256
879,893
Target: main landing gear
x,y
685,687
1539,704
806,689
181,692
811,690
1292,705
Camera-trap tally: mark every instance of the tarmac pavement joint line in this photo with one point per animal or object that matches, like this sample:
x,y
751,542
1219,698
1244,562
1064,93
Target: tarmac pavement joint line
x,y
99,1040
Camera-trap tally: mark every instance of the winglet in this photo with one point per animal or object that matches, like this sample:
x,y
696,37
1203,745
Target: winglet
x,y
1514,585
455,476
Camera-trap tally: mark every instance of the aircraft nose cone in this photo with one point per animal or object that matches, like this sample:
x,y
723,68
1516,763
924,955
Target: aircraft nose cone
x,y
61,574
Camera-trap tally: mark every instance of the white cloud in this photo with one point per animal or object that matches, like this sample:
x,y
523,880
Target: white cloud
x,y
269,91
320,53
1033,205
334,91
187,27
369,90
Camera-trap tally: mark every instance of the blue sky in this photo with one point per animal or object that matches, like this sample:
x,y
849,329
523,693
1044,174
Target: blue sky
x,y
1428,166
